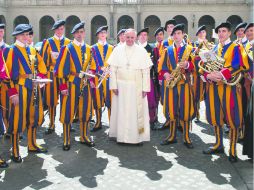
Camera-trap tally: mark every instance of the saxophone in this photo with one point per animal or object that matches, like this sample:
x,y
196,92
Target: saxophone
x,y
178,73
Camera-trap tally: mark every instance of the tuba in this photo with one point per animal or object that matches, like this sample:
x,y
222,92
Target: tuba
x,y
216,65
178,73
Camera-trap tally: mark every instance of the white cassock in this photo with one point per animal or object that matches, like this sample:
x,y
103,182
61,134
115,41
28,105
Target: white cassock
x,y
130,74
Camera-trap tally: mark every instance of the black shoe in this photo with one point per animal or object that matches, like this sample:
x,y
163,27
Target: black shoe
x,y
7,136
66,147
90,144
20,137
45,107
163,127
226,129
39,150
179,127
167,142
232,158
49,131
76,120
197,120
152,126
16,159
92,121
72,130
96,129
3,164
213,151
188,145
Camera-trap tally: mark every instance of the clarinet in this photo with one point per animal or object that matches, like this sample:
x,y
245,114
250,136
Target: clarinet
x,y
84,78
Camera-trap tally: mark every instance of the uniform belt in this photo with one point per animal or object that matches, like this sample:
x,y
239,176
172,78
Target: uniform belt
x,y
26,76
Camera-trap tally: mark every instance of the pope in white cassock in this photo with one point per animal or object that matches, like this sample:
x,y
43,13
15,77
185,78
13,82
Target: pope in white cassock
x,y
130,81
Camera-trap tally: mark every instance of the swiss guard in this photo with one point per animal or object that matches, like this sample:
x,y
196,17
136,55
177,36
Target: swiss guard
x,y
50,52
74,60
26,68
101,94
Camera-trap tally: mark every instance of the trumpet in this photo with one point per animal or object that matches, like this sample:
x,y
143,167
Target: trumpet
x,y
217,65
85,75
178,73
103,76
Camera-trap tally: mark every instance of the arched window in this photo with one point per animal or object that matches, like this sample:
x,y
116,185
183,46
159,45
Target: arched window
x,y
152,22
209,22
20,20
234,20
125,22
96,22
46,23
181,19
71,21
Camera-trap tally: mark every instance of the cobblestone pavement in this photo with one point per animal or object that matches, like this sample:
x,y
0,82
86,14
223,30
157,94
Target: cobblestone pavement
x,y
113,166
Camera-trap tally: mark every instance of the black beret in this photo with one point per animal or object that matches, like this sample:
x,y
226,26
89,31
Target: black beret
x,y
30,30
21,28
248,26
100,29
144,30
160,29
58,24
203,27
2,26
178,27
171,21
223,25
77,27
241,25
121,31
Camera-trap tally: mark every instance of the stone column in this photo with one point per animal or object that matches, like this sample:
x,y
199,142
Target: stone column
x,y
138,18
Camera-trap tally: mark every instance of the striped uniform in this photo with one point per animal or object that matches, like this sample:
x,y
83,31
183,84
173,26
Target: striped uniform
x,y
223,102
178,101
102,95
51,89
72,60
27,114
198,84
4,75
4,96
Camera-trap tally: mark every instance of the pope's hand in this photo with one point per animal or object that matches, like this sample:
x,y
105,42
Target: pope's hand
x,y
115,91
15,100
144,94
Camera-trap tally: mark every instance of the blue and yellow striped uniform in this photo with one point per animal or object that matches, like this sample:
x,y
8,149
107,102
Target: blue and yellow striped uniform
x,y
25,114
72,60
178,101
51,90
223,102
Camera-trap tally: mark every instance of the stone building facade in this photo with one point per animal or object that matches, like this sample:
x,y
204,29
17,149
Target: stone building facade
x,y
119,14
